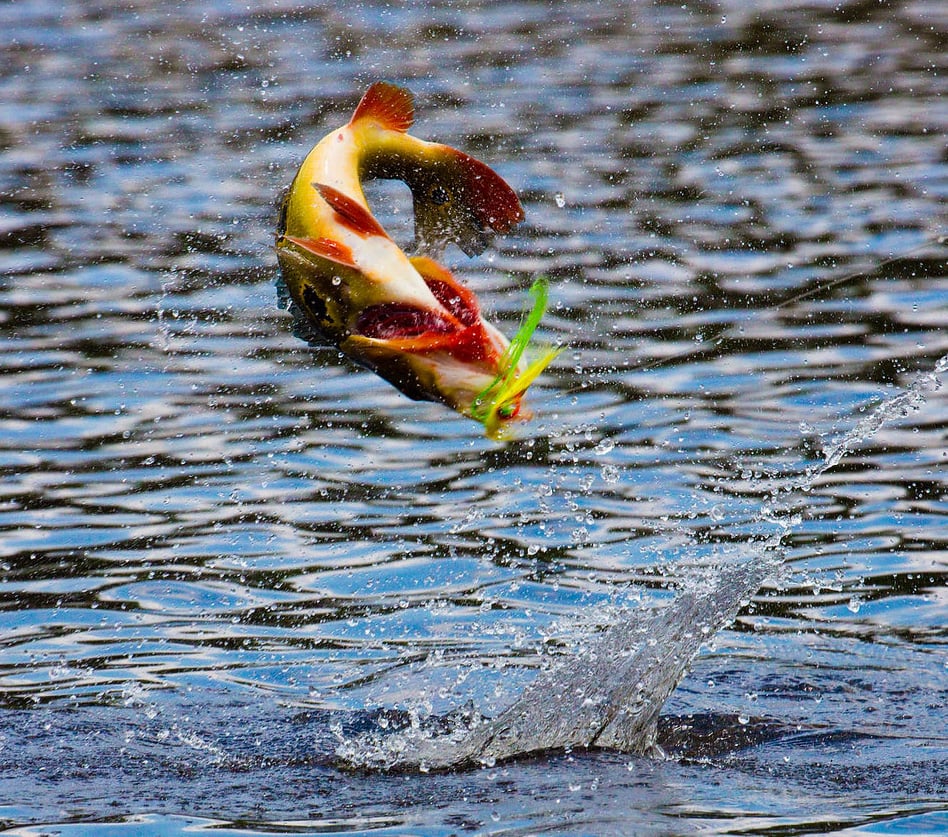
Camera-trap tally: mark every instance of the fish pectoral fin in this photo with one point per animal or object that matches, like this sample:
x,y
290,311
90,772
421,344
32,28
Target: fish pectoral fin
x,y
303,325
325,248
306,329
459,200
350,212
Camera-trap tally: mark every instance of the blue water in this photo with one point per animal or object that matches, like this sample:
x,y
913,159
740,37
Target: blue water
x,y
223,552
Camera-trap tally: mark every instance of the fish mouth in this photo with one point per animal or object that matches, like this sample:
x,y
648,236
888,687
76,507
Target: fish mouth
x,y
397,320
427,354
433,356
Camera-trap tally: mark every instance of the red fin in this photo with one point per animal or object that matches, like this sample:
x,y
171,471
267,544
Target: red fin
x,y
390,106
353,214
448,291
431,341
325,248
494,203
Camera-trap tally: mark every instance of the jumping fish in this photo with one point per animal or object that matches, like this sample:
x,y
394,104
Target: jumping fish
x,y
408,319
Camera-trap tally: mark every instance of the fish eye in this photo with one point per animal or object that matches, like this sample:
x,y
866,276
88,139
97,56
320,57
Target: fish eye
x,y
439,195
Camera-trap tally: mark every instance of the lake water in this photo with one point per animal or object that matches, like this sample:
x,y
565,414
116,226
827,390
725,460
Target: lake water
x,y
224,554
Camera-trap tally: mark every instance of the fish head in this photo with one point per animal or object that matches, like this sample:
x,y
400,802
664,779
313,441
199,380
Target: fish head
x,y
433,345
459,360
450,368
444,352
320,296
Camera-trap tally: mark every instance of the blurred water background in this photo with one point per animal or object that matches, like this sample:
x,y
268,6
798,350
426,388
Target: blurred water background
x,y
222,552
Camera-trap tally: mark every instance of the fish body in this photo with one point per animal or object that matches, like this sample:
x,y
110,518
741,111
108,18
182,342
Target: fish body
x,y
406,318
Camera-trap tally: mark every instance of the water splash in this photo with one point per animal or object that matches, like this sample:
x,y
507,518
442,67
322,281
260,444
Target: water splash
x,y
611,693
899,406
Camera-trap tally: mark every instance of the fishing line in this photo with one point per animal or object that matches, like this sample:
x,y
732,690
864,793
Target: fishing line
x,y
725,332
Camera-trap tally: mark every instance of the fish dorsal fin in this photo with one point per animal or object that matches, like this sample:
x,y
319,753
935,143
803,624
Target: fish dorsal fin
x,y
388,105
351,213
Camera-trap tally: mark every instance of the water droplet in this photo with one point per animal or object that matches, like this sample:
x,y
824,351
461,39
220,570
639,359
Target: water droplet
x,y
604,447
560,199
609,474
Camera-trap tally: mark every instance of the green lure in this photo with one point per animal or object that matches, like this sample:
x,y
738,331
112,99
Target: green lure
x,y
499,400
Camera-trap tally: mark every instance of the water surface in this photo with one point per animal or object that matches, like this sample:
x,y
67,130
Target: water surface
x,y
224,552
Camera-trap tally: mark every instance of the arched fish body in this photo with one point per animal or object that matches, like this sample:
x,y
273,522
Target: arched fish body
x,y
406,318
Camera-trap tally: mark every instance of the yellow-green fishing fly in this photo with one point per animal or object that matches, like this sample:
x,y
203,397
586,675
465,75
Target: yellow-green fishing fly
x,y
499,401
407,318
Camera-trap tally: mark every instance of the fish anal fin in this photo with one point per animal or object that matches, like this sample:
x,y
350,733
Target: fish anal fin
x,y
387,105
325,248
351,213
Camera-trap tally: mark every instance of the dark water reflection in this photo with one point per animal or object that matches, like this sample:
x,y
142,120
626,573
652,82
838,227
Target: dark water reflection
x,y
207,528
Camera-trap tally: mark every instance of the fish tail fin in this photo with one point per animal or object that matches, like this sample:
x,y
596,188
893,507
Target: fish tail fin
x,y
387,105
493,202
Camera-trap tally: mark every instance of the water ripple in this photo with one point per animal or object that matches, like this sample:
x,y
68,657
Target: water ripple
x,y
739,209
